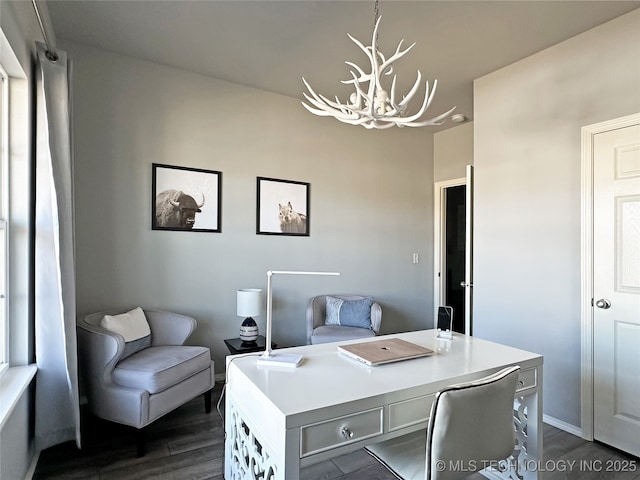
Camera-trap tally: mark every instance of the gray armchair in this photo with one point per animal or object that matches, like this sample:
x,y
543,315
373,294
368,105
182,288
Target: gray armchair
x,y
137,382
321,330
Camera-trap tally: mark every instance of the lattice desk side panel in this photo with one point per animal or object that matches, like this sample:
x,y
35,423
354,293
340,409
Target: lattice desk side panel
x,y
249,460
515,466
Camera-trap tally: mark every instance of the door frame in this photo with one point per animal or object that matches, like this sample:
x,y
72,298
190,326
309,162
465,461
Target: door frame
x,y
439,231
586,256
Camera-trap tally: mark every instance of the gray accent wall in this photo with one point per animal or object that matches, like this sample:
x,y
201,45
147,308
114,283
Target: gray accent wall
x,y
527,120
370,209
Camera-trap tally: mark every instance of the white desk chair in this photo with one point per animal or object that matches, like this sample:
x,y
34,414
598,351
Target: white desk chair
x,y
471,425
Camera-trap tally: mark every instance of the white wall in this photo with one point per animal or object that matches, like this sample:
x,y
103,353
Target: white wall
x,y
527,120
452,152
371,201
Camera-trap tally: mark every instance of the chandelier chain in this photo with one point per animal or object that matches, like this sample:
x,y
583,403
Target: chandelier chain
x,y
376,15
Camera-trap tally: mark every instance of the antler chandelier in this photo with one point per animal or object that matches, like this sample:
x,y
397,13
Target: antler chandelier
x,y
371,106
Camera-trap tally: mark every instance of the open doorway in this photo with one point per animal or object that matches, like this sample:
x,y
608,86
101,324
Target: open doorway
x,y
452,249
454,253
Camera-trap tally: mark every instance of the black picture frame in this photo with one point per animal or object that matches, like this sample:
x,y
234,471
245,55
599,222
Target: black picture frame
x,y
178,192
283,207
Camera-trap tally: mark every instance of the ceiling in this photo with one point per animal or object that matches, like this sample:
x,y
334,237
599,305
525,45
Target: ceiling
x,y
271,44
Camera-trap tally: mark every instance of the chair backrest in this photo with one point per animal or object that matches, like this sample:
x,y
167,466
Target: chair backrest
x,y
471,425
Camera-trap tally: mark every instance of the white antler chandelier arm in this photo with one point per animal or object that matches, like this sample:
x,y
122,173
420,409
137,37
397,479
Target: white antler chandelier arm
x,y
386,64
325,110
355,79
326,107
405,101
365,77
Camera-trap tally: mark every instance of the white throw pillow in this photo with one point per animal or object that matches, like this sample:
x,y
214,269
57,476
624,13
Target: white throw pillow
x,y
131,325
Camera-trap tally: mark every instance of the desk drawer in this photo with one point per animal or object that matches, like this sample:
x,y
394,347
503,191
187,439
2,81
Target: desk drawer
x,y
527,379
340,431
410,412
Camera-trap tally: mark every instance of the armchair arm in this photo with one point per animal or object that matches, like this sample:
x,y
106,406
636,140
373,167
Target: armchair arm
x,y
168,328
128,406
316,307
376,317
99,349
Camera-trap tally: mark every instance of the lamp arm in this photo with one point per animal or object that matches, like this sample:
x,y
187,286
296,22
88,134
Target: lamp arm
x,y
267,352
271,273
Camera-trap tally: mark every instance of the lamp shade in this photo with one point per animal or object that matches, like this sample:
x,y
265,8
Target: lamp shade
x,y
249,302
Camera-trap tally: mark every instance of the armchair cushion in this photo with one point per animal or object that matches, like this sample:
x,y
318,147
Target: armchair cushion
x,y
133,327
337,333
155,369
349,313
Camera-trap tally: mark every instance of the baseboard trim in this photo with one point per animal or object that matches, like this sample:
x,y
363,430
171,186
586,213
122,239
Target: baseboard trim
x,y
567,427
220,377
32,466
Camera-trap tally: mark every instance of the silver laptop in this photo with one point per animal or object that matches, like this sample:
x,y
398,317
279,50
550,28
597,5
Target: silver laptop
x,y
383,351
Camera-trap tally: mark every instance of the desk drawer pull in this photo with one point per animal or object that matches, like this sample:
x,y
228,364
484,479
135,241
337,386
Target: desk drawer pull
x,y
527,379
346,433
340,431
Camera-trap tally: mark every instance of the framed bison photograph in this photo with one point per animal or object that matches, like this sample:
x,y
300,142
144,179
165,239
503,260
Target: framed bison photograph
x,y
186,199
283,207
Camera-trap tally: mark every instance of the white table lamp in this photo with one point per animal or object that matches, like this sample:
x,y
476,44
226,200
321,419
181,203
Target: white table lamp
x,y
269,357
249,304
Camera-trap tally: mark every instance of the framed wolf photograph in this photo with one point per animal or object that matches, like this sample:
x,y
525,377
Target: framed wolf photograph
x,y
283,207
185,199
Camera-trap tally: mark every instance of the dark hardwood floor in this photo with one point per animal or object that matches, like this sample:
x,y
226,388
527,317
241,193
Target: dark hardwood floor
x,y
189,444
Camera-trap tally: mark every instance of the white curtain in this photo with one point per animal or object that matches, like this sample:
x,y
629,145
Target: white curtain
x,y
57,401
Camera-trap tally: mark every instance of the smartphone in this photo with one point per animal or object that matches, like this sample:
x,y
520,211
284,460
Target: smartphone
x,y
445,318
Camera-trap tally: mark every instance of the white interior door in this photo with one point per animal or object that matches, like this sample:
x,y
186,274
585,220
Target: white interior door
x,y
616,288
468,260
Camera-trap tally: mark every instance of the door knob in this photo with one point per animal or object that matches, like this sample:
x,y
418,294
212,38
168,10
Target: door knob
x,y
603,303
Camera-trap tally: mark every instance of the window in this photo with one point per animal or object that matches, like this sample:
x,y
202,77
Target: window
x,y
4,208
4,337
16,345
16,338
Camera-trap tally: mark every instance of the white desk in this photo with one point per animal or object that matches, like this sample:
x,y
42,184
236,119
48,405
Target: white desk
x,y
278,420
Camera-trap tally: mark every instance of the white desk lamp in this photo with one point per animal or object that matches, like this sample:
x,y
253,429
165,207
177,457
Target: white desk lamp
x,y
280,359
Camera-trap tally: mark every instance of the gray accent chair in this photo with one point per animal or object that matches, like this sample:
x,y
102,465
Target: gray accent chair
x,y
148,383
318,332
471,426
